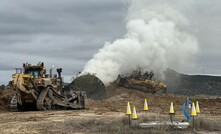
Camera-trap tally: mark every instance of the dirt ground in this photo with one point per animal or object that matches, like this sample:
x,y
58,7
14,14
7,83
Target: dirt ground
x,y
103,116
52,121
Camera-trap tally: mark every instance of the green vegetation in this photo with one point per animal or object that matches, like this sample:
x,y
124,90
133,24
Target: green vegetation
x,y
2,87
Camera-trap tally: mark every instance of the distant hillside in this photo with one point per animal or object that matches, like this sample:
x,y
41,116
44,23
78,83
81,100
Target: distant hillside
x,y
192,84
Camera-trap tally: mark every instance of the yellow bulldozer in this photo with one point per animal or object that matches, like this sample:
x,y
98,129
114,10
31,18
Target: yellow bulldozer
x,y
36,90
142,82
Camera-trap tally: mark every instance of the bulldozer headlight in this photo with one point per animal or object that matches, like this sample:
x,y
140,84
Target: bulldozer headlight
x,y
40,82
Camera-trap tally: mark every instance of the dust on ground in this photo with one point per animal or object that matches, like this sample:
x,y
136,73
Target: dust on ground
x,y
52,121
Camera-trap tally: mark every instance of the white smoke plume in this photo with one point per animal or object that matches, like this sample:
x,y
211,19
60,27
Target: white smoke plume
x,y
155,40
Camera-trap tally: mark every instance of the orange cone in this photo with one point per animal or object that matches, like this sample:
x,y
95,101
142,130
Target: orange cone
x,y
145,108
197,107
128,112
193,112
134,115
171,108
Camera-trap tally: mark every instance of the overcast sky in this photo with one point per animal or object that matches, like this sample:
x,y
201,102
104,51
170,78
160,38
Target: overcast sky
x,y
66,33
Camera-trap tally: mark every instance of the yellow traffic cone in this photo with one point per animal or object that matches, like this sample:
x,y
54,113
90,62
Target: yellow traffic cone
x,y
171,108
128,112
145,108
193,113
197,107
134,115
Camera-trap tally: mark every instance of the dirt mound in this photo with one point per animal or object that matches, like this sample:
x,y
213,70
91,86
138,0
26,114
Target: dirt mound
x,y
5,96
117,98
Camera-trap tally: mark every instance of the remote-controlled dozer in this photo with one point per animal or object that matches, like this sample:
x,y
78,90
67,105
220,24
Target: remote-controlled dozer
x,y
144,83
36,90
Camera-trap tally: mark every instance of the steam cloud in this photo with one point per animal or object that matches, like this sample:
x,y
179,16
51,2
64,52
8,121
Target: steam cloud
x,y
156,39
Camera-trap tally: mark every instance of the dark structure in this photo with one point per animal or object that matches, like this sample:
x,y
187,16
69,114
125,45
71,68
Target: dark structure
x,y
92,85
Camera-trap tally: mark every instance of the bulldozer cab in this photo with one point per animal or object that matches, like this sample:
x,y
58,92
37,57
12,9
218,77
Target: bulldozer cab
x,y
34,71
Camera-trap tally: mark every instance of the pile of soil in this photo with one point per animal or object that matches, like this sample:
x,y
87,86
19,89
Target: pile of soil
x,y
5,97
158,103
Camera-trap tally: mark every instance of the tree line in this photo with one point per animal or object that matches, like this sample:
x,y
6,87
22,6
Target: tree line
x,y
2,87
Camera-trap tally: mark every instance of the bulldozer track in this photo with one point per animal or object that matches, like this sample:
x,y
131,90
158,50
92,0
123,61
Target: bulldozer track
x,y
14,103
40,100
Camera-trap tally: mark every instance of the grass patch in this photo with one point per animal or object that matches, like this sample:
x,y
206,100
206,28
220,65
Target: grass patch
x,y
209,124
121,125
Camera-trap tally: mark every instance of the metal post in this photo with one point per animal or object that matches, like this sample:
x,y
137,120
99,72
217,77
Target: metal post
x,y
50,73
171,118
129,120
193,122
